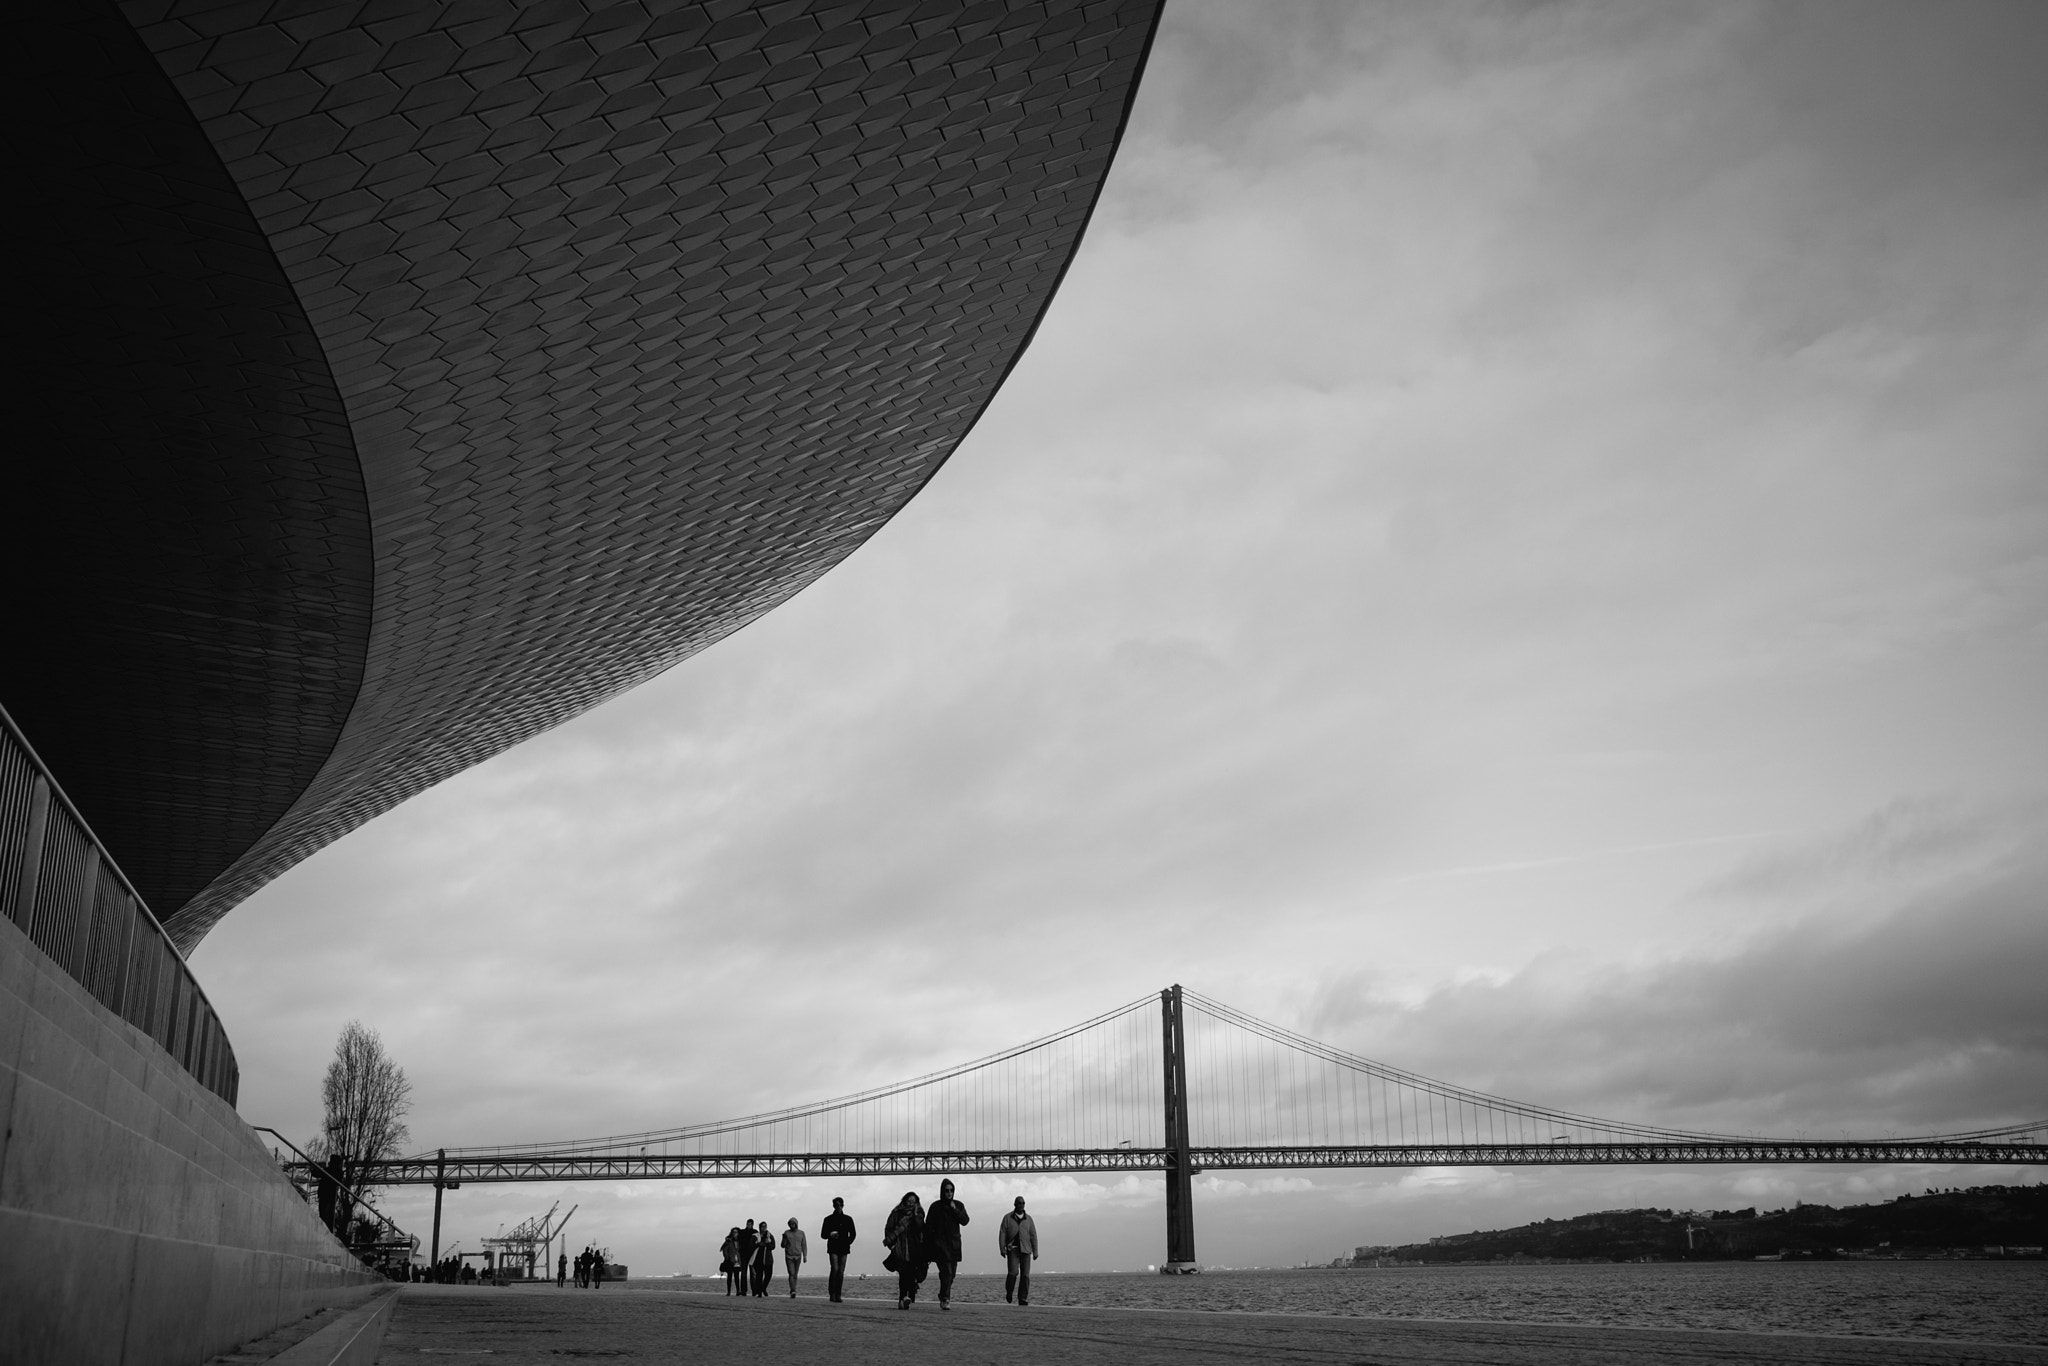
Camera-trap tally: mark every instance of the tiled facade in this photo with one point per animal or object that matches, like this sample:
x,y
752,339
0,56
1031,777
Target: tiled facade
x,y
642,316
408,377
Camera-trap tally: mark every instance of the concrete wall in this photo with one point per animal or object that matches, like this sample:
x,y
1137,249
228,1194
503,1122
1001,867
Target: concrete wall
x,y
141,1221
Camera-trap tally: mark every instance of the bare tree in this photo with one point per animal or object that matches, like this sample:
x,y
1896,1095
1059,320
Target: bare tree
x,y
365,1097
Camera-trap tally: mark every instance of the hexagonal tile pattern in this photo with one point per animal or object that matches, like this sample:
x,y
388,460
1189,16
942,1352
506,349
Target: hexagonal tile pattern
x,y
643,315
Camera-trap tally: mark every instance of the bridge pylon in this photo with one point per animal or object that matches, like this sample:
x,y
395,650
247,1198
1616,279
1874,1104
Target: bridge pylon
x,y
1180,1171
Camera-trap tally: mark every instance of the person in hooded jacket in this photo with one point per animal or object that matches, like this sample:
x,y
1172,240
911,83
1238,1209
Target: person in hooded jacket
x,y
794,1250
904,1235
942,1225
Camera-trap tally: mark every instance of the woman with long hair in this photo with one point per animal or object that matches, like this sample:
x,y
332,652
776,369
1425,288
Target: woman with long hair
x,y
904,1236
730,1250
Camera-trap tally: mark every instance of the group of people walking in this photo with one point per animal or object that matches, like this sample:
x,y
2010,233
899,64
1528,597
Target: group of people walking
x,y
749,1258
590,1264
918,1238
447,1271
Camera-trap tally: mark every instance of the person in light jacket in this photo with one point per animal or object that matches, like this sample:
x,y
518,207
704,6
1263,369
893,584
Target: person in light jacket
x,y
1017,1240
904,1235
793,1252
942,1224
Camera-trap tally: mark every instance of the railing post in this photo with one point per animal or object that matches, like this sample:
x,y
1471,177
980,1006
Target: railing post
x,y
32,854
1180,1191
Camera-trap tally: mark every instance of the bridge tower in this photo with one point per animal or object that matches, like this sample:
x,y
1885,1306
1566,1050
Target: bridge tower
x,y
1180,1174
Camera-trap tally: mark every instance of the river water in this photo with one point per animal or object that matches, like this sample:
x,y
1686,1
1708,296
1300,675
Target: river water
x,y
1977,1301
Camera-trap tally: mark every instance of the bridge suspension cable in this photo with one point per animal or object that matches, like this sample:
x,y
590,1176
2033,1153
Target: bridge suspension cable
x,y
1094,1097
1257,1084
1094,1084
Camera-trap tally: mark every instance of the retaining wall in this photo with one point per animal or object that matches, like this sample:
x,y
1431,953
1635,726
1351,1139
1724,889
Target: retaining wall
x,y
141,1221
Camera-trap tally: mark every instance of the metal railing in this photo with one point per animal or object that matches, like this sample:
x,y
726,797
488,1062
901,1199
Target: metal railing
x,y
355,1197
61,888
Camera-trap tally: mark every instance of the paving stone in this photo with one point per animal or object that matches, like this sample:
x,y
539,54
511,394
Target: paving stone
x,y
542,1324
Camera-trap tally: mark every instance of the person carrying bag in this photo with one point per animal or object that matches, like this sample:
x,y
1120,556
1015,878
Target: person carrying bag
x,y
904,1235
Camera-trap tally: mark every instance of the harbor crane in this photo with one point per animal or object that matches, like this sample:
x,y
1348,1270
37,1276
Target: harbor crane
x,y
529,1243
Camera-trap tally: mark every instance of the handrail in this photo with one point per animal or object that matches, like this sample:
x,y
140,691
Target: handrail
x,y
355,1193
60,885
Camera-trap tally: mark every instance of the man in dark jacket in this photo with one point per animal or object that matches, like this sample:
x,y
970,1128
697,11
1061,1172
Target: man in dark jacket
x,y
838,1233
749,1240
943,1221
764,1261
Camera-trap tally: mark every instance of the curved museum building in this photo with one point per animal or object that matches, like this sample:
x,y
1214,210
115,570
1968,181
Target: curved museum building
x,y
398,380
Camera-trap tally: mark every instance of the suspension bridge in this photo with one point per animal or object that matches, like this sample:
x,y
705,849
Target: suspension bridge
x,y
1175,1083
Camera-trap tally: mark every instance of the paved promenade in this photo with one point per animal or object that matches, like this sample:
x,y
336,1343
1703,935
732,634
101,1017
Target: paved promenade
x,y
543,1325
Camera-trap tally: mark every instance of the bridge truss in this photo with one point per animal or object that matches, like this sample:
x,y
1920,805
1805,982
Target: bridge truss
x,y
511,1166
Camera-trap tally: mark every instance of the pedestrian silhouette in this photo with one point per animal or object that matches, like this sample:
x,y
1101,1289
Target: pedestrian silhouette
x,y
942,1225
838,1233
793,1253
729,1254
1017,1240
904,1233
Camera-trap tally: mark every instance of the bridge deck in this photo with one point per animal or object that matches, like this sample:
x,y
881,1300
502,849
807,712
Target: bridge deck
x,y
512,1165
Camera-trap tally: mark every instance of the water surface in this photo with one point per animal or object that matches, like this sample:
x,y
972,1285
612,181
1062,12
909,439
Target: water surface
x,y
1977,1301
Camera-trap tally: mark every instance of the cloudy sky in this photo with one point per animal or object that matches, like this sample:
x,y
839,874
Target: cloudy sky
x,y
1521,550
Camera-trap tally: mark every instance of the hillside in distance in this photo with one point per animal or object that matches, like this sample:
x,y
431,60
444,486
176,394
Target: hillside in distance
x,y
1982,1221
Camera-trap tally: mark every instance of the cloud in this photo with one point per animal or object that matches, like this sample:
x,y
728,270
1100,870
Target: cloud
x,y
1927,1019
1895,849
1214,1187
